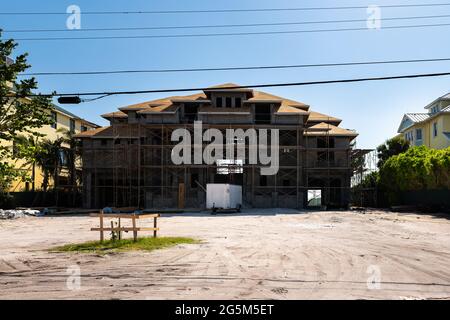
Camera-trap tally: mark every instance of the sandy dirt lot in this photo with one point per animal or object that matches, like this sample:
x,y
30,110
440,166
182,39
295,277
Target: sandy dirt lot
x,y
259,254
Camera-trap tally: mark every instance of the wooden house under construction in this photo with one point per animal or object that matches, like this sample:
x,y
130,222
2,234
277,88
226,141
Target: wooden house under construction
x,y
129,163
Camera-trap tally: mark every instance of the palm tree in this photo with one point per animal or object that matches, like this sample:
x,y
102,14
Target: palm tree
x,y
50,161
52,156
72,152
44,154
391,148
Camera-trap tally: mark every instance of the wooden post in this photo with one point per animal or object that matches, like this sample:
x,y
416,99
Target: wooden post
x,y
155,224
134,227
120,231
101,225
112,230
181,192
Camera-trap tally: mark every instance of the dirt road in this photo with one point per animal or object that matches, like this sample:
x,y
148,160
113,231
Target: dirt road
x,y
259,254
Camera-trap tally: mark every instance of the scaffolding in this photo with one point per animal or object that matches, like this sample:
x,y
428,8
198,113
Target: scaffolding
x,y
132,167
364,163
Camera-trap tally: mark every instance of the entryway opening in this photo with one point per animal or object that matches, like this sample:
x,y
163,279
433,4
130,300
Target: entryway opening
x,y
314,198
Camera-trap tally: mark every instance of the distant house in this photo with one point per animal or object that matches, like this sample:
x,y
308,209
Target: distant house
x,y
431,129
63,121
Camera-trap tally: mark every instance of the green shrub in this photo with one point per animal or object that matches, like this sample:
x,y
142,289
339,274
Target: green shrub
x,y
419,168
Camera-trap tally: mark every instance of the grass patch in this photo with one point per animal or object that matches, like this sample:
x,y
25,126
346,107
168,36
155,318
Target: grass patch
x,y
147,244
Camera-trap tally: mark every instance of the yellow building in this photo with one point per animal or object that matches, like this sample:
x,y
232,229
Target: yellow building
x,y
63,121
431,129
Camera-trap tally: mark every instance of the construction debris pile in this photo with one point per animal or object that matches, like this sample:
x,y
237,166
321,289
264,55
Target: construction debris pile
x,y
14,214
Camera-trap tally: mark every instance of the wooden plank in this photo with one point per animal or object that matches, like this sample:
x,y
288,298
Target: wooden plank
x,y
181,196
147,229
125,229
149,215
113,215
125,215
101,226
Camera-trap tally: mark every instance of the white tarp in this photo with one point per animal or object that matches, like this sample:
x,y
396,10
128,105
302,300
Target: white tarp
x,y
14,214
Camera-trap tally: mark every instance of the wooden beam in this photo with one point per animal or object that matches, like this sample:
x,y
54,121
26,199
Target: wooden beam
x,y
125,229
181,196
126,215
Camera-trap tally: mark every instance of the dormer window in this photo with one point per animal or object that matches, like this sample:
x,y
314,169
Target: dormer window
x,y
434,109
219,102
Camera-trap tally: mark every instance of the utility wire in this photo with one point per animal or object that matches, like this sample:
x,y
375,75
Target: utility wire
x,y
231,10
228,34
291,84
97,98
222,25
236,68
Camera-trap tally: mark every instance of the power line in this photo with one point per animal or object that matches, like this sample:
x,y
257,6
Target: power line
x,y
232,10
323,82
222,25
227,34
236,68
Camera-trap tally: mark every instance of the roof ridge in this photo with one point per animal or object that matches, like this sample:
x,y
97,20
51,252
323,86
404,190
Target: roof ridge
x,y
226,84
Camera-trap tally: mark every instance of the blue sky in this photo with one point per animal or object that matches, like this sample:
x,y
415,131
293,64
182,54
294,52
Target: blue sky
x,y
374,109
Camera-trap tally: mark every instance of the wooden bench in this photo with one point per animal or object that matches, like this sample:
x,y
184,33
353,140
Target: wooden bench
x,y
119,227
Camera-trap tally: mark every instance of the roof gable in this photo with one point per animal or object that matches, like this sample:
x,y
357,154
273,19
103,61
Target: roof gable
x,y
409,119
405,123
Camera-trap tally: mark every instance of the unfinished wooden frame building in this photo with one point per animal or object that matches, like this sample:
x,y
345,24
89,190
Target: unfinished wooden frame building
x,y
129,162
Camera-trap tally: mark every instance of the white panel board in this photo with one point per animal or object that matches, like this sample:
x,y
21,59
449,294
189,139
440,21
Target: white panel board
x,y
223,196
